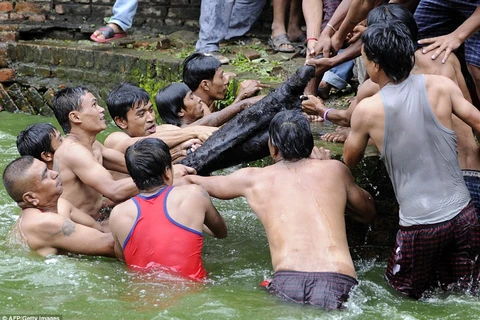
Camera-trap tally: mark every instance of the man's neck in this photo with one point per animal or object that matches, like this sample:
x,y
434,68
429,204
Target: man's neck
x,y
203,95
82,137
152,190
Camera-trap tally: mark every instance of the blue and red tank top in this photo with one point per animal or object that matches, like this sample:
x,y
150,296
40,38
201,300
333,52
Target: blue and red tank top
x,y
157,239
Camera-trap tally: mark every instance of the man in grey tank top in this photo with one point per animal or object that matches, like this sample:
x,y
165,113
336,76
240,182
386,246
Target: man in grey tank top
x,y
410,122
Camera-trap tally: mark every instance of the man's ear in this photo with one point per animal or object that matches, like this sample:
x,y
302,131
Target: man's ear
x,y
46,156
204,85
73,117
30,198
168,176
122,123
274,152
181,113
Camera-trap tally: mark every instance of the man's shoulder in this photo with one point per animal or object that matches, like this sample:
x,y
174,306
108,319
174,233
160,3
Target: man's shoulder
x,y
38,222
114,138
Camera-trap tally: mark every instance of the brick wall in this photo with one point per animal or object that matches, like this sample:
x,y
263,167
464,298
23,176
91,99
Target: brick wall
x,y
165,16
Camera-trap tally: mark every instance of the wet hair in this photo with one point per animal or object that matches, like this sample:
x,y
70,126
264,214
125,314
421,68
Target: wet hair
x,y
125,97
198,67
394,13
35,139
66,101
290,132
390,46
147,160
169,102
13,177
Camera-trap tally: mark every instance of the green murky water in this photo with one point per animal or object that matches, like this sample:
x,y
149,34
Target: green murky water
x,y
102,288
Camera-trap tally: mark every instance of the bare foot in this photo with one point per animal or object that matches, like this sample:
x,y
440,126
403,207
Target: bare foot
x,y
340,135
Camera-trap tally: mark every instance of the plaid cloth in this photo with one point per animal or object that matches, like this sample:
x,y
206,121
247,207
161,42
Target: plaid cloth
x,y
443,253
329,7
328,290
472,180
440,17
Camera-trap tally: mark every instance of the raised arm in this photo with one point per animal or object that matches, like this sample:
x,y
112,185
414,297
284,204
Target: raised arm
x,y
83,164
227,187
357,140
218,118
462,108
360,203
68,210
112,159
214,222
61,233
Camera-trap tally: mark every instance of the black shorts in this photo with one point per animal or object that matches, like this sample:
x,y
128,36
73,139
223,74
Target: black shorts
x,y
328,290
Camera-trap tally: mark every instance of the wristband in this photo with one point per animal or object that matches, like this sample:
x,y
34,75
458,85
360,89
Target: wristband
x,y
308,39
333,28
326,113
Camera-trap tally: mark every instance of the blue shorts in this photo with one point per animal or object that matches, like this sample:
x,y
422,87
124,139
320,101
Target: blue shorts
x,y
472,180
440,17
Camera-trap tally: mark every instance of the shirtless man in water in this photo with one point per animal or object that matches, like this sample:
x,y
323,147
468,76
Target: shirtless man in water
x,y
45,224
131,109
301,203
81,160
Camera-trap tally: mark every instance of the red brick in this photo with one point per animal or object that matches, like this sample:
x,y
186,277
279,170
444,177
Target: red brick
x,y
6,6
37,18
7,36
28,7
7,75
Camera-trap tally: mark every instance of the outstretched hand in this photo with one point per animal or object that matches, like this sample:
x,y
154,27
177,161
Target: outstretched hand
x,y
313,105
204,132
321,65
324,45
321,153
249,88
180,170
447,43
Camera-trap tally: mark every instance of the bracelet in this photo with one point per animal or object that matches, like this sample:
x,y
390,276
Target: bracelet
x,y
308,39
326,113
333,28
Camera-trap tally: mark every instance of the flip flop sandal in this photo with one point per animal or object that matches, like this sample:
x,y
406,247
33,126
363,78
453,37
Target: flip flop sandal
x,y
277,42
108,34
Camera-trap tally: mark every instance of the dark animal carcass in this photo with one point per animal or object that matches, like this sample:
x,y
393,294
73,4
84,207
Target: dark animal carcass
x,y
244,138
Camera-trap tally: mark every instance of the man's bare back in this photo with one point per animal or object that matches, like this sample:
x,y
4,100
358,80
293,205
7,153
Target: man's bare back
x,y
302,207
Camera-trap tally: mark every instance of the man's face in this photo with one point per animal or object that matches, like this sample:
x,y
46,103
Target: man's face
x,y
218,86
141,120
92,114
193,108
45,183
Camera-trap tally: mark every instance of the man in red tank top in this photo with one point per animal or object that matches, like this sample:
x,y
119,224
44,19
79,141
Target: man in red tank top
x,y
162,226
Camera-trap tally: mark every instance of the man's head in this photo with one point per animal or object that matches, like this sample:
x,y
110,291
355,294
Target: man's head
x,y
30,183
388,48
204,73
78,107
40,141
149,164
177,102
131,109
394,13
290,134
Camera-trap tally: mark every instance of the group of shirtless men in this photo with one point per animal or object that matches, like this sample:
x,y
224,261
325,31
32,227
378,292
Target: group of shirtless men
x,y
160,210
